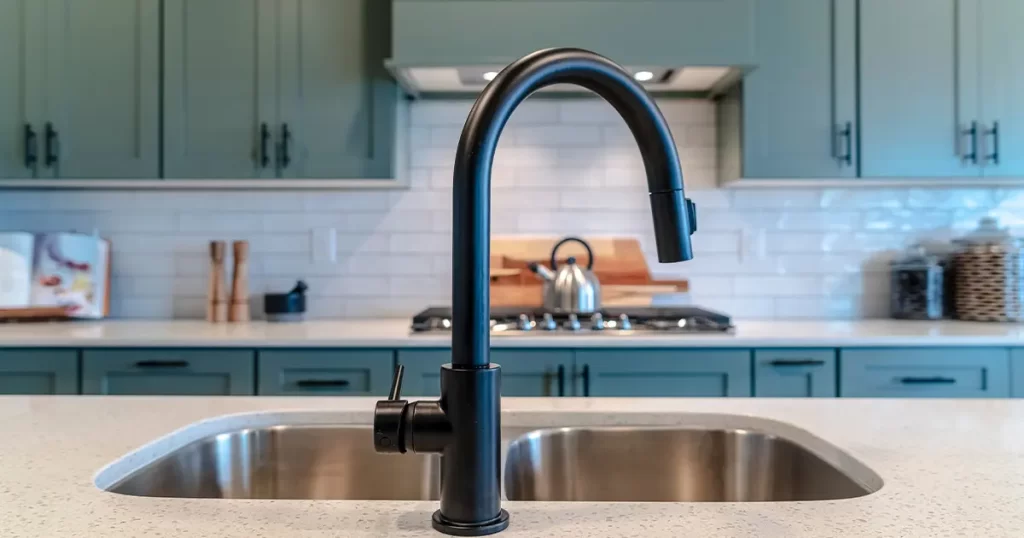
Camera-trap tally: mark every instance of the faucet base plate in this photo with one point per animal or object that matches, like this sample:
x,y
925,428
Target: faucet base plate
x,y
442,524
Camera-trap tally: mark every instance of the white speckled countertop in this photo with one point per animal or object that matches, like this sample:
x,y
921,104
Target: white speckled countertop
x,y
950,468
396,333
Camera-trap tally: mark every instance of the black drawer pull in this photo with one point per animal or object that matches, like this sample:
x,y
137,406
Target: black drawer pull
x,y
315,383
927,380
797,362
161,364
52,145
561,380
31,147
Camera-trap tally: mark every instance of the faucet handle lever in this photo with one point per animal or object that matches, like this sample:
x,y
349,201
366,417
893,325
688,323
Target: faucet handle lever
x,y
396,384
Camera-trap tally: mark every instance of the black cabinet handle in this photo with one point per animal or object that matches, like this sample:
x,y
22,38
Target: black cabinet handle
x,y
286,146
994,133
311,383
264,145
927,380
561,380
586,380
797,362
52,145
845,136
161,364
31,147
972,133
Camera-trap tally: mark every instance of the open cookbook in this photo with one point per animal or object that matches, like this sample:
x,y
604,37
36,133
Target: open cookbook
x,y
69,271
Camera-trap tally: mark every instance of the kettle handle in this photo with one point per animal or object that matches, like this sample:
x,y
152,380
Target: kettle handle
x,y
590,253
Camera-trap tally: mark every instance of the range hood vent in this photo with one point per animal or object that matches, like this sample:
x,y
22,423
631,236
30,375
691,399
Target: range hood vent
x,y
674,46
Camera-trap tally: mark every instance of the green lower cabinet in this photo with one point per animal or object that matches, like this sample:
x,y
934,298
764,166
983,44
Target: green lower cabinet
x,y
325,372
795,373
524,372
1017,373
38,371
668,373
168,372
925,373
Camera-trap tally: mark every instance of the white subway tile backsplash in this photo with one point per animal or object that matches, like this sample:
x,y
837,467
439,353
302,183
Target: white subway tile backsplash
x,y
778,286
567,136
776,199
566,166
420,243
588,112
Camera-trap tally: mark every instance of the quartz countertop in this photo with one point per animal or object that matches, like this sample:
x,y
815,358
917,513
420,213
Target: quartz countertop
x,y
396,333
950,468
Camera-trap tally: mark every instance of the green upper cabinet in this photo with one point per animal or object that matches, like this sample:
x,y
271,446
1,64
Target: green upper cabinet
x,y
102,91
1001,61
278,88
337,102
22,47
219,88
919,88
636,32
799,105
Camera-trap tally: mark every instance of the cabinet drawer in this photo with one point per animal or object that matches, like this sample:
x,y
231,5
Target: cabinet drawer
x,y
524,372
670,373
38,371
795,373
325,372
925,373
168,371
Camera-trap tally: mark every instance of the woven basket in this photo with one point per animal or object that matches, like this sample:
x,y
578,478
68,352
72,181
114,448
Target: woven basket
x,y
988,282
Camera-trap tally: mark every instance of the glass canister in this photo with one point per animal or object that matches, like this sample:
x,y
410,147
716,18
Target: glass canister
x,y
989,265
917,288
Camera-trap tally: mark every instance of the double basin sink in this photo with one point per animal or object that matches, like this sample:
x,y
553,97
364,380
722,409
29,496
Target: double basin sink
x,y
637,464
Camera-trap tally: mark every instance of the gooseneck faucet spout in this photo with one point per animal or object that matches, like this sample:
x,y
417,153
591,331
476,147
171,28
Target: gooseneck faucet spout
x,y
464,425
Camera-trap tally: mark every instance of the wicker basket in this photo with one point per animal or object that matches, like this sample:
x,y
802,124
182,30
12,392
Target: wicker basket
x,y
988,281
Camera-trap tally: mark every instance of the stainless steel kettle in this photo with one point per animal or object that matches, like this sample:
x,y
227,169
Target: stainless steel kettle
x,y
570,288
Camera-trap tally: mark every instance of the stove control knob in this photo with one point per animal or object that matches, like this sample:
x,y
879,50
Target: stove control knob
x,y
597,322
573,323
624,323
524,323
548,323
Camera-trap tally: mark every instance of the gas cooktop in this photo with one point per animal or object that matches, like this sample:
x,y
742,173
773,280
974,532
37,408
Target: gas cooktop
x,y
619,320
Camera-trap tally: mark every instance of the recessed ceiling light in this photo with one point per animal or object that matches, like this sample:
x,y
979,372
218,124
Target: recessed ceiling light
x,y
643,76
489,76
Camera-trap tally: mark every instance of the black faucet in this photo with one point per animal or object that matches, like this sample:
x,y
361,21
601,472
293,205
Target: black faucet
x,y
465,424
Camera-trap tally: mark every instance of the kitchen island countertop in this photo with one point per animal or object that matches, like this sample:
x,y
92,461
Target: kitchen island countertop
x,y
395,333
950,468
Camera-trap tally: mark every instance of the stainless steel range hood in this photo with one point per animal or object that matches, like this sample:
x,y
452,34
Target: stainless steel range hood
x,y
675,46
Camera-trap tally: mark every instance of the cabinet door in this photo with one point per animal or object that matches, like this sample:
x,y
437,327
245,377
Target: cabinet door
x,y
672,373
22,52
325,372
1002,86
103,95
795,373
38,371
524,372
925,373
918,88
170,371
337,100
219,69
799,104
1017,373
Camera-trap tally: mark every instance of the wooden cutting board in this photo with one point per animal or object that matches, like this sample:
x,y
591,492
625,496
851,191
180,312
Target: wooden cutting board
x,y
619,264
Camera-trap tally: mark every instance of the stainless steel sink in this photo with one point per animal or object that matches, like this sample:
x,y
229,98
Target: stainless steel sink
x,y
638,464
286,462
674,465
